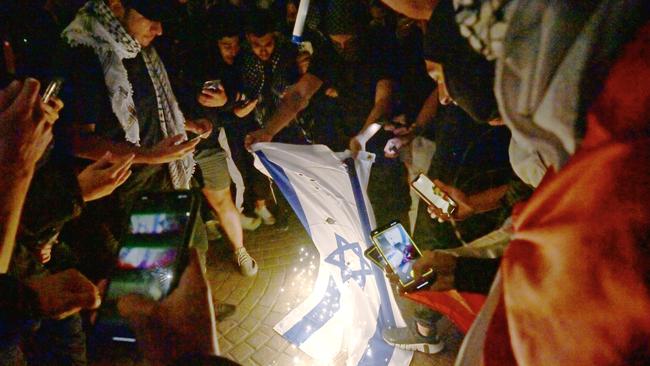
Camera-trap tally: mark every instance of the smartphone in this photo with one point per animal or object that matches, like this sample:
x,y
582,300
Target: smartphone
x,y
52,90
151,258
213,85
400,253
432,195
375,257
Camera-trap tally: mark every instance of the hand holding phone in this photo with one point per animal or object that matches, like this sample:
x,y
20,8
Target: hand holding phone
x,y
152,257
430,193
400,253
212,94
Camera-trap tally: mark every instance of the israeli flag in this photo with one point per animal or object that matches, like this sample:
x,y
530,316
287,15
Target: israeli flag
x,y
351,301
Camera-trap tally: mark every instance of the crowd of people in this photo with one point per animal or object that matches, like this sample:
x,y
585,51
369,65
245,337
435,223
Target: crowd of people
x,y
531,115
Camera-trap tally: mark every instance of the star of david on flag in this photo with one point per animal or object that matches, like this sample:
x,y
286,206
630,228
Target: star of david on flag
x,y
351,301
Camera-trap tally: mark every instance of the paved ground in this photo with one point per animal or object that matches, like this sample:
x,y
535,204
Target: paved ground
x,y
288,266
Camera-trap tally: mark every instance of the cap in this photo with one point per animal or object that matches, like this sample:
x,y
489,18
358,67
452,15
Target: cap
x,y
156,10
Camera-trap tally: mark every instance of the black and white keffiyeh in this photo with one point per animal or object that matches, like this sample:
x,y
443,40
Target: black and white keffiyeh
x,y
484,23
97,27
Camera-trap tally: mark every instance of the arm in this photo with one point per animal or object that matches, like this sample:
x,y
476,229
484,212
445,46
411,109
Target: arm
x,y
383,102
484,201
294,100
91,146
427,112
406,136
381,109
25,133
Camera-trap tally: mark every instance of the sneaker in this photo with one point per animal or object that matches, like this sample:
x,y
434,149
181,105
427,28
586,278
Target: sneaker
x,y
224,310
246,263
250,223
266,215
212,229
406,339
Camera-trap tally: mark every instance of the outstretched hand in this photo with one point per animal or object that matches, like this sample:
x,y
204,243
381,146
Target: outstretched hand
x,y
257,136
25,127
170,149
464,209
100,178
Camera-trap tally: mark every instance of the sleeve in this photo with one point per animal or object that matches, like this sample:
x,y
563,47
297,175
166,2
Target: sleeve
x,y
475,274
18,310
382,56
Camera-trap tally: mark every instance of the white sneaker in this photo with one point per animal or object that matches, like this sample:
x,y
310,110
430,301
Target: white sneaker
x,y
266,215
250,223
247,265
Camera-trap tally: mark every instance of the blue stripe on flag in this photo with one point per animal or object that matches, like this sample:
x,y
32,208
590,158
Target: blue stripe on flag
x,y
317,317
386,317
280,178
378,351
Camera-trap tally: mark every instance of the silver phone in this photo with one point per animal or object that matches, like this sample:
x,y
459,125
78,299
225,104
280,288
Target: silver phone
x,y
52,90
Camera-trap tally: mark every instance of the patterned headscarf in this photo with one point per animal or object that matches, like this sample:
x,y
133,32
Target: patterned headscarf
x,y
484,24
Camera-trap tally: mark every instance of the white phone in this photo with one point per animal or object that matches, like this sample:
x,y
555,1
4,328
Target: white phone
x,y
431,194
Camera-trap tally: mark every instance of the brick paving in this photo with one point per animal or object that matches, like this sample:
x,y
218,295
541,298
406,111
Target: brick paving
x,y
288,266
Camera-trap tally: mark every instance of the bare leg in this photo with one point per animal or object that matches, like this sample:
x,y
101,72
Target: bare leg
x,y
221,202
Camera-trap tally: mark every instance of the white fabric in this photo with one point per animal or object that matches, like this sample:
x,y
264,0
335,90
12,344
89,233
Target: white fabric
x,y
348,288
235,174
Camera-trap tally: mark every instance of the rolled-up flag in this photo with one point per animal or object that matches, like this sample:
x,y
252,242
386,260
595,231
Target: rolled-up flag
x,y
300,22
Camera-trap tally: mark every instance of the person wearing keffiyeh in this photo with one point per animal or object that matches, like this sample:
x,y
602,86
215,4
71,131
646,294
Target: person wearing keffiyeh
x,y
572,85
121,101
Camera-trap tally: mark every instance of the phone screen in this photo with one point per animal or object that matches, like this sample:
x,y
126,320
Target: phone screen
x,y
151,258
398,250
431,194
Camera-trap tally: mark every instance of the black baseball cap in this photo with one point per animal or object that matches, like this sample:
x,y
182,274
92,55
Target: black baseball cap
x,y
156,10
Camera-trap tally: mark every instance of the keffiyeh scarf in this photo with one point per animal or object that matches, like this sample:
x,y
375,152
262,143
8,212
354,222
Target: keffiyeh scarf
x,y
484,23
97,27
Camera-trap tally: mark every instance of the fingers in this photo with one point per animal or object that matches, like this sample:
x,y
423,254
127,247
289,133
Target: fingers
x,y
50,111
437,213
8,94
441,185
28,94
104,162
213,93
173,140
121,166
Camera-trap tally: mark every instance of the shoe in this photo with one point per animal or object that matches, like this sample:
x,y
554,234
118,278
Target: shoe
x,y
406,339
266,215
224,310
250,223
246,263
212,229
